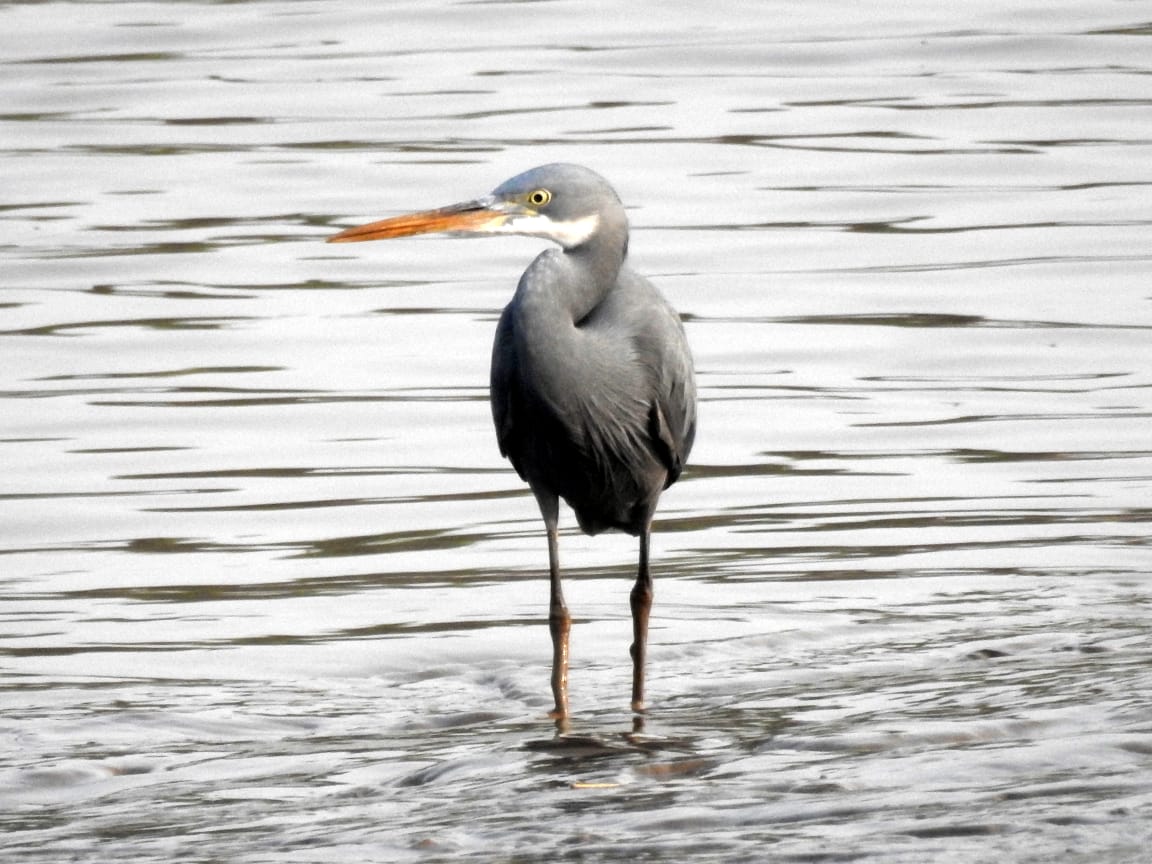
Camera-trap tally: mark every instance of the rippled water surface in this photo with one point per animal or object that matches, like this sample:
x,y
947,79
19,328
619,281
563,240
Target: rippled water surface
x,y
269,592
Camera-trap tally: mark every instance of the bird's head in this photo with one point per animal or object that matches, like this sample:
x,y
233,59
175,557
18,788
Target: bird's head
x,y
567,204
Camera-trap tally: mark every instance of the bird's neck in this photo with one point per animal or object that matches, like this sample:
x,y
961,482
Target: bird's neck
x,y
562,285
573,282
597,274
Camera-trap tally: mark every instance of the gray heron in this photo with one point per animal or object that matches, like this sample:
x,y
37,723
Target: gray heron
x,y
592,385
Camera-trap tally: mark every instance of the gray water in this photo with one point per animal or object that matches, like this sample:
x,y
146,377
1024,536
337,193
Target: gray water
x,y
270,594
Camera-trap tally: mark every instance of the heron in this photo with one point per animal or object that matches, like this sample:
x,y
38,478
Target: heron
x,y
592,382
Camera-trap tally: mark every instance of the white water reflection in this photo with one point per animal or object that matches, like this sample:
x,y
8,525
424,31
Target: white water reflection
x,y
269,592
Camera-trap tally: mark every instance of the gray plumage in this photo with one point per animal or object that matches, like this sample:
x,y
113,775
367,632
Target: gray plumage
x,y
592,385
593,393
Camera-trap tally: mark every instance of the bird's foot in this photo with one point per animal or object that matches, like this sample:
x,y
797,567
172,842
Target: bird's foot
x,y
562,720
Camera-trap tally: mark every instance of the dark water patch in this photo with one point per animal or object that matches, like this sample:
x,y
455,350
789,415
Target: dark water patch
x,y
992,456
298,472
214,121
201,223
163,373
244,397
79,328
316,504
134,57
1009,418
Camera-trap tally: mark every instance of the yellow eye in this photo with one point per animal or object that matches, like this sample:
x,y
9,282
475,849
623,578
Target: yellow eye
x,y
539,198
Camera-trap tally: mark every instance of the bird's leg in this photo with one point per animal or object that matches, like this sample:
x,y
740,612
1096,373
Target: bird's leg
x,y
559,621
560,625
641,600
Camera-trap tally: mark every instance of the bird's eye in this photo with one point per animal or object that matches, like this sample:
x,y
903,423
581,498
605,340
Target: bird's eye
x,y
539,198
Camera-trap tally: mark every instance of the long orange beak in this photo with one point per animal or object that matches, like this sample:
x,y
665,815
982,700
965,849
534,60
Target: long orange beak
x,y
471,216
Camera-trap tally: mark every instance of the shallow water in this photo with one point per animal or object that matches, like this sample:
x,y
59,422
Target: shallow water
x,y
270,593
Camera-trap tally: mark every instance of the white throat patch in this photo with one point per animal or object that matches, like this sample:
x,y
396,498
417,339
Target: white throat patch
x,y
567,234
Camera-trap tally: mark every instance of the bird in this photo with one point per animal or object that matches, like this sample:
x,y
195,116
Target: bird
x,y
592,381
